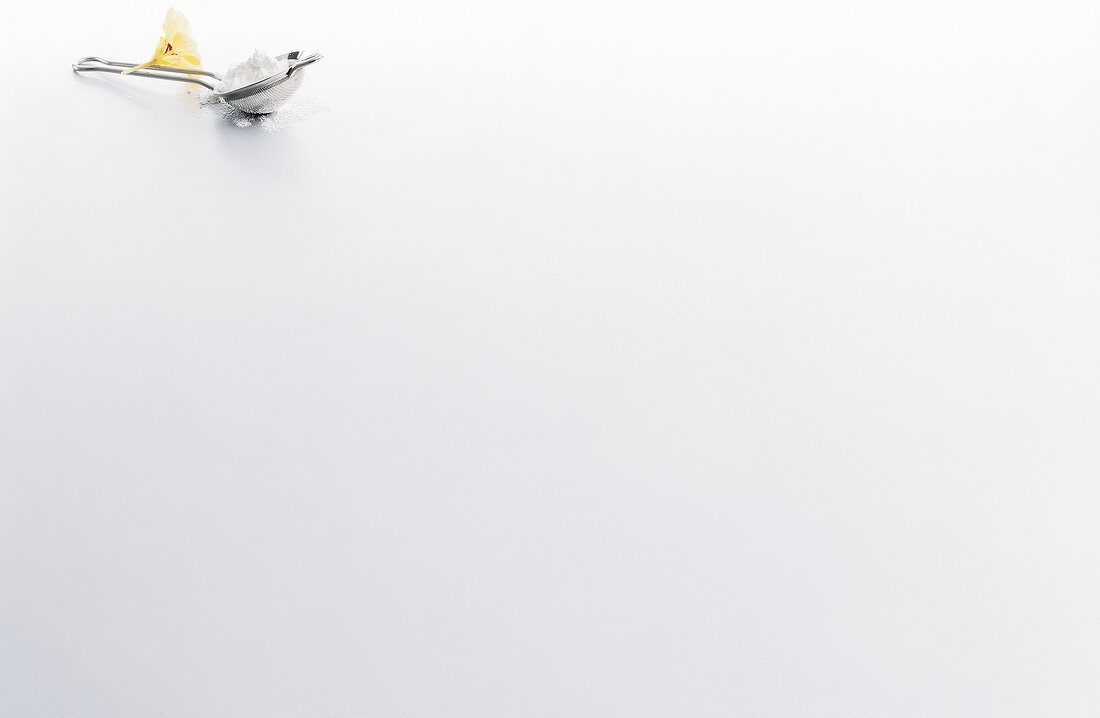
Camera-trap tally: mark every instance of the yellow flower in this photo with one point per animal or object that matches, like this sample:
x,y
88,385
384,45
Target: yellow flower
x,y
177,48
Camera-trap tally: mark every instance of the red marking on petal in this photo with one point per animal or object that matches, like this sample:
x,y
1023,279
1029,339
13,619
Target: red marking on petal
x,y
169,48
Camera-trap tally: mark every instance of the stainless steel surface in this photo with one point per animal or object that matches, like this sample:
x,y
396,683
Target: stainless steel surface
x,y
98,64
259,98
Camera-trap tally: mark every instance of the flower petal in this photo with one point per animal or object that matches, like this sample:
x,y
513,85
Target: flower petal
x,y
176,47
182,43
174,21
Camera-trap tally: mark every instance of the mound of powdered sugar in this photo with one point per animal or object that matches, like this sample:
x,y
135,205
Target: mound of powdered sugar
x,y
259,66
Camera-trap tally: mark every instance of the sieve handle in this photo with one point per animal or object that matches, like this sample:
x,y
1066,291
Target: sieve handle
x,y
158,72
307,60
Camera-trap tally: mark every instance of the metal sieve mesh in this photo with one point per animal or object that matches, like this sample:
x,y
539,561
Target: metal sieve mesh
x,y
268,99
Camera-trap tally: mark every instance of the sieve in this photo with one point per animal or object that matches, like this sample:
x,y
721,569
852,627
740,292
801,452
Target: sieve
x,y
259,98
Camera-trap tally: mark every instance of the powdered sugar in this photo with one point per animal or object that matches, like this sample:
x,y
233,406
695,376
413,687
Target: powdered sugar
x,y
258,66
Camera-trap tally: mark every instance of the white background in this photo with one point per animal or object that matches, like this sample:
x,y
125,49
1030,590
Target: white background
x,y
584,359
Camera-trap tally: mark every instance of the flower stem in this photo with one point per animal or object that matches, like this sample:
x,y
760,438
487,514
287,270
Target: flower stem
x,y
142,66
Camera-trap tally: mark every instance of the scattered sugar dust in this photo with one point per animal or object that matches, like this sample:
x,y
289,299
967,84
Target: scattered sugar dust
x,y
297,110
